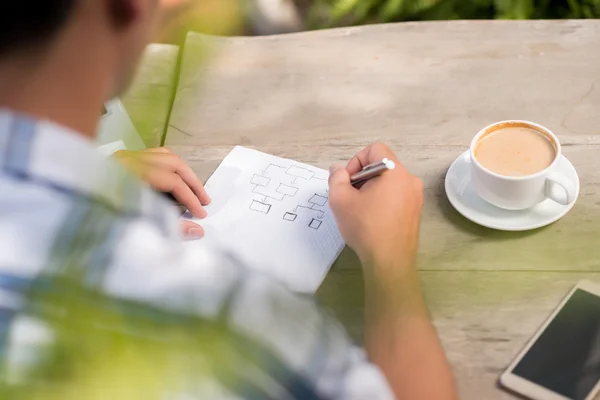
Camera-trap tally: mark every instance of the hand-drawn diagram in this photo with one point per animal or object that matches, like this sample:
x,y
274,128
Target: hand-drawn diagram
x,y
260,207
277,183
315,223
290,216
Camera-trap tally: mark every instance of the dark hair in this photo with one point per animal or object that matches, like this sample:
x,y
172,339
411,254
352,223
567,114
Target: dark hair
x,y
29,24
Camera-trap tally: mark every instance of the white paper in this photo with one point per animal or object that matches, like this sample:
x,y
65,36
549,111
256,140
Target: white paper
x,y
109,149
274,214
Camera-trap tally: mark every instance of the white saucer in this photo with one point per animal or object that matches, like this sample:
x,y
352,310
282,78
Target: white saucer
x,y
462,196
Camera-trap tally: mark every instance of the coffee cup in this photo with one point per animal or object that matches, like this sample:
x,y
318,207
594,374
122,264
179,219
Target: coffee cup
x,y
514,169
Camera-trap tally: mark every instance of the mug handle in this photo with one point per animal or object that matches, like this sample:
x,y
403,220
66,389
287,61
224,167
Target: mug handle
x,y
562,181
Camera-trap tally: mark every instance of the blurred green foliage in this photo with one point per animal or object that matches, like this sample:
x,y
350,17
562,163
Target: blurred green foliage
x,y
330,13
103,348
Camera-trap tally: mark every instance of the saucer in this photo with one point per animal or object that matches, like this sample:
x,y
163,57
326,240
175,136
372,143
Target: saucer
x,y
465,200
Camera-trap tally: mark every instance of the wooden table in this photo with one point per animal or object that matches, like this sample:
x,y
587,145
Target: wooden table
x,y
425,89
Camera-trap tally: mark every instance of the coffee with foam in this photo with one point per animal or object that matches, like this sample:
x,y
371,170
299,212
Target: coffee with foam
x,y
515,150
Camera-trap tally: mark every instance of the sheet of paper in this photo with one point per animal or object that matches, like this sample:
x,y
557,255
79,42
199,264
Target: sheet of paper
x,y
109,149
274,214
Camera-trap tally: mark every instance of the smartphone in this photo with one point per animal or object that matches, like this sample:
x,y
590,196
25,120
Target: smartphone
x,y
562,360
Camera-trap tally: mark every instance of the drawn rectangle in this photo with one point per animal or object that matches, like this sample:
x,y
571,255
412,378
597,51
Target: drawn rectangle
x,y
300,172
263,191
260,207
260,180
288,216
314,223
287,190
318,200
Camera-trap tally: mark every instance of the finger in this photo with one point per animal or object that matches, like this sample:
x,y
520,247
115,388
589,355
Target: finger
x,y
128,160
183,194
373,153
169,182
340,188
133,160
159,167
158,150
191,230
176,164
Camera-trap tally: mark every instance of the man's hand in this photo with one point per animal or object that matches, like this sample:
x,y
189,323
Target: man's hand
x,y
380,221
166,172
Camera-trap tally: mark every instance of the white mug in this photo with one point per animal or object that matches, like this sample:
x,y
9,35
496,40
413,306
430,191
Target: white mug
x,y
520,192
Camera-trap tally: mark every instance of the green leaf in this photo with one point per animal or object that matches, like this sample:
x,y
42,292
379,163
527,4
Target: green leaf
x,y
343,7
514,9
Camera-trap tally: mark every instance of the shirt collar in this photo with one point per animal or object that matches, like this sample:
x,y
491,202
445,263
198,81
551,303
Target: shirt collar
x,y
55,156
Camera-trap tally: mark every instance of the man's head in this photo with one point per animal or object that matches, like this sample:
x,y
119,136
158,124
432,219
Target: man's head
x,y
114,30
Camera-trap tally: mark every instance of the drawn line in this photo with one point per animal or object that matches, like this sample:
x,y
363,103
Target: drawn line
x,y
290,216
315,223
287,190
259,190
320,216
320,212
300,172
260,180
318,199
260,207
271,165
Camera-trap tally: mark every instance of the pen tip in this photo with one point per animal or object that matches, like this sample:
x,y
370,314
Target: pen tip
x,y
389,163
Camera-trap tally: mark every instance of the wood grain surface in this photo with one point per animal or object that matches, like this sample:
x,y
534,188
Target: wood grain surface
x,y
425,89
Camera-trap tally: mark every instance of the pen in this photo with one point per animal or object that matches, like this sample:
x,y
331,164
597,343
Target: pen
x,y
371,171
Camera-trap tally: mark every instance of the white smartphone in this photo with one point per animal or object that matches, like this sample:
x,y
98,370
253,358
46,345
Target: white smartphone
x,y
562,360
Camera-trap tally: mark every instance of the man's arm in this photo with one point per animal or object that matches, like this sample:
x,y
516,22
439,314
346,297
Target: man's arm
x,y
401,340
380,221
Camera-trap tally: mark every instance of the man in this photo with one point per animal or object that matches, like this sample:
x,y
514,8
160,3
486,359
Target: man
x,y
76,226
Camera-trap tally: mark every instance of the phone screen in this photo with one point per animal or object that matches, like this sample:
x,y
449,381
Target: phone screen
x,y
566,356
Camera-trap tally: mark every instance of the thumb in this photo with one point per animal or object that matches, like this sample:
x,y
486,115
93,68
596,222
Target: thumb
x,y
339,183
191,230
338,175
